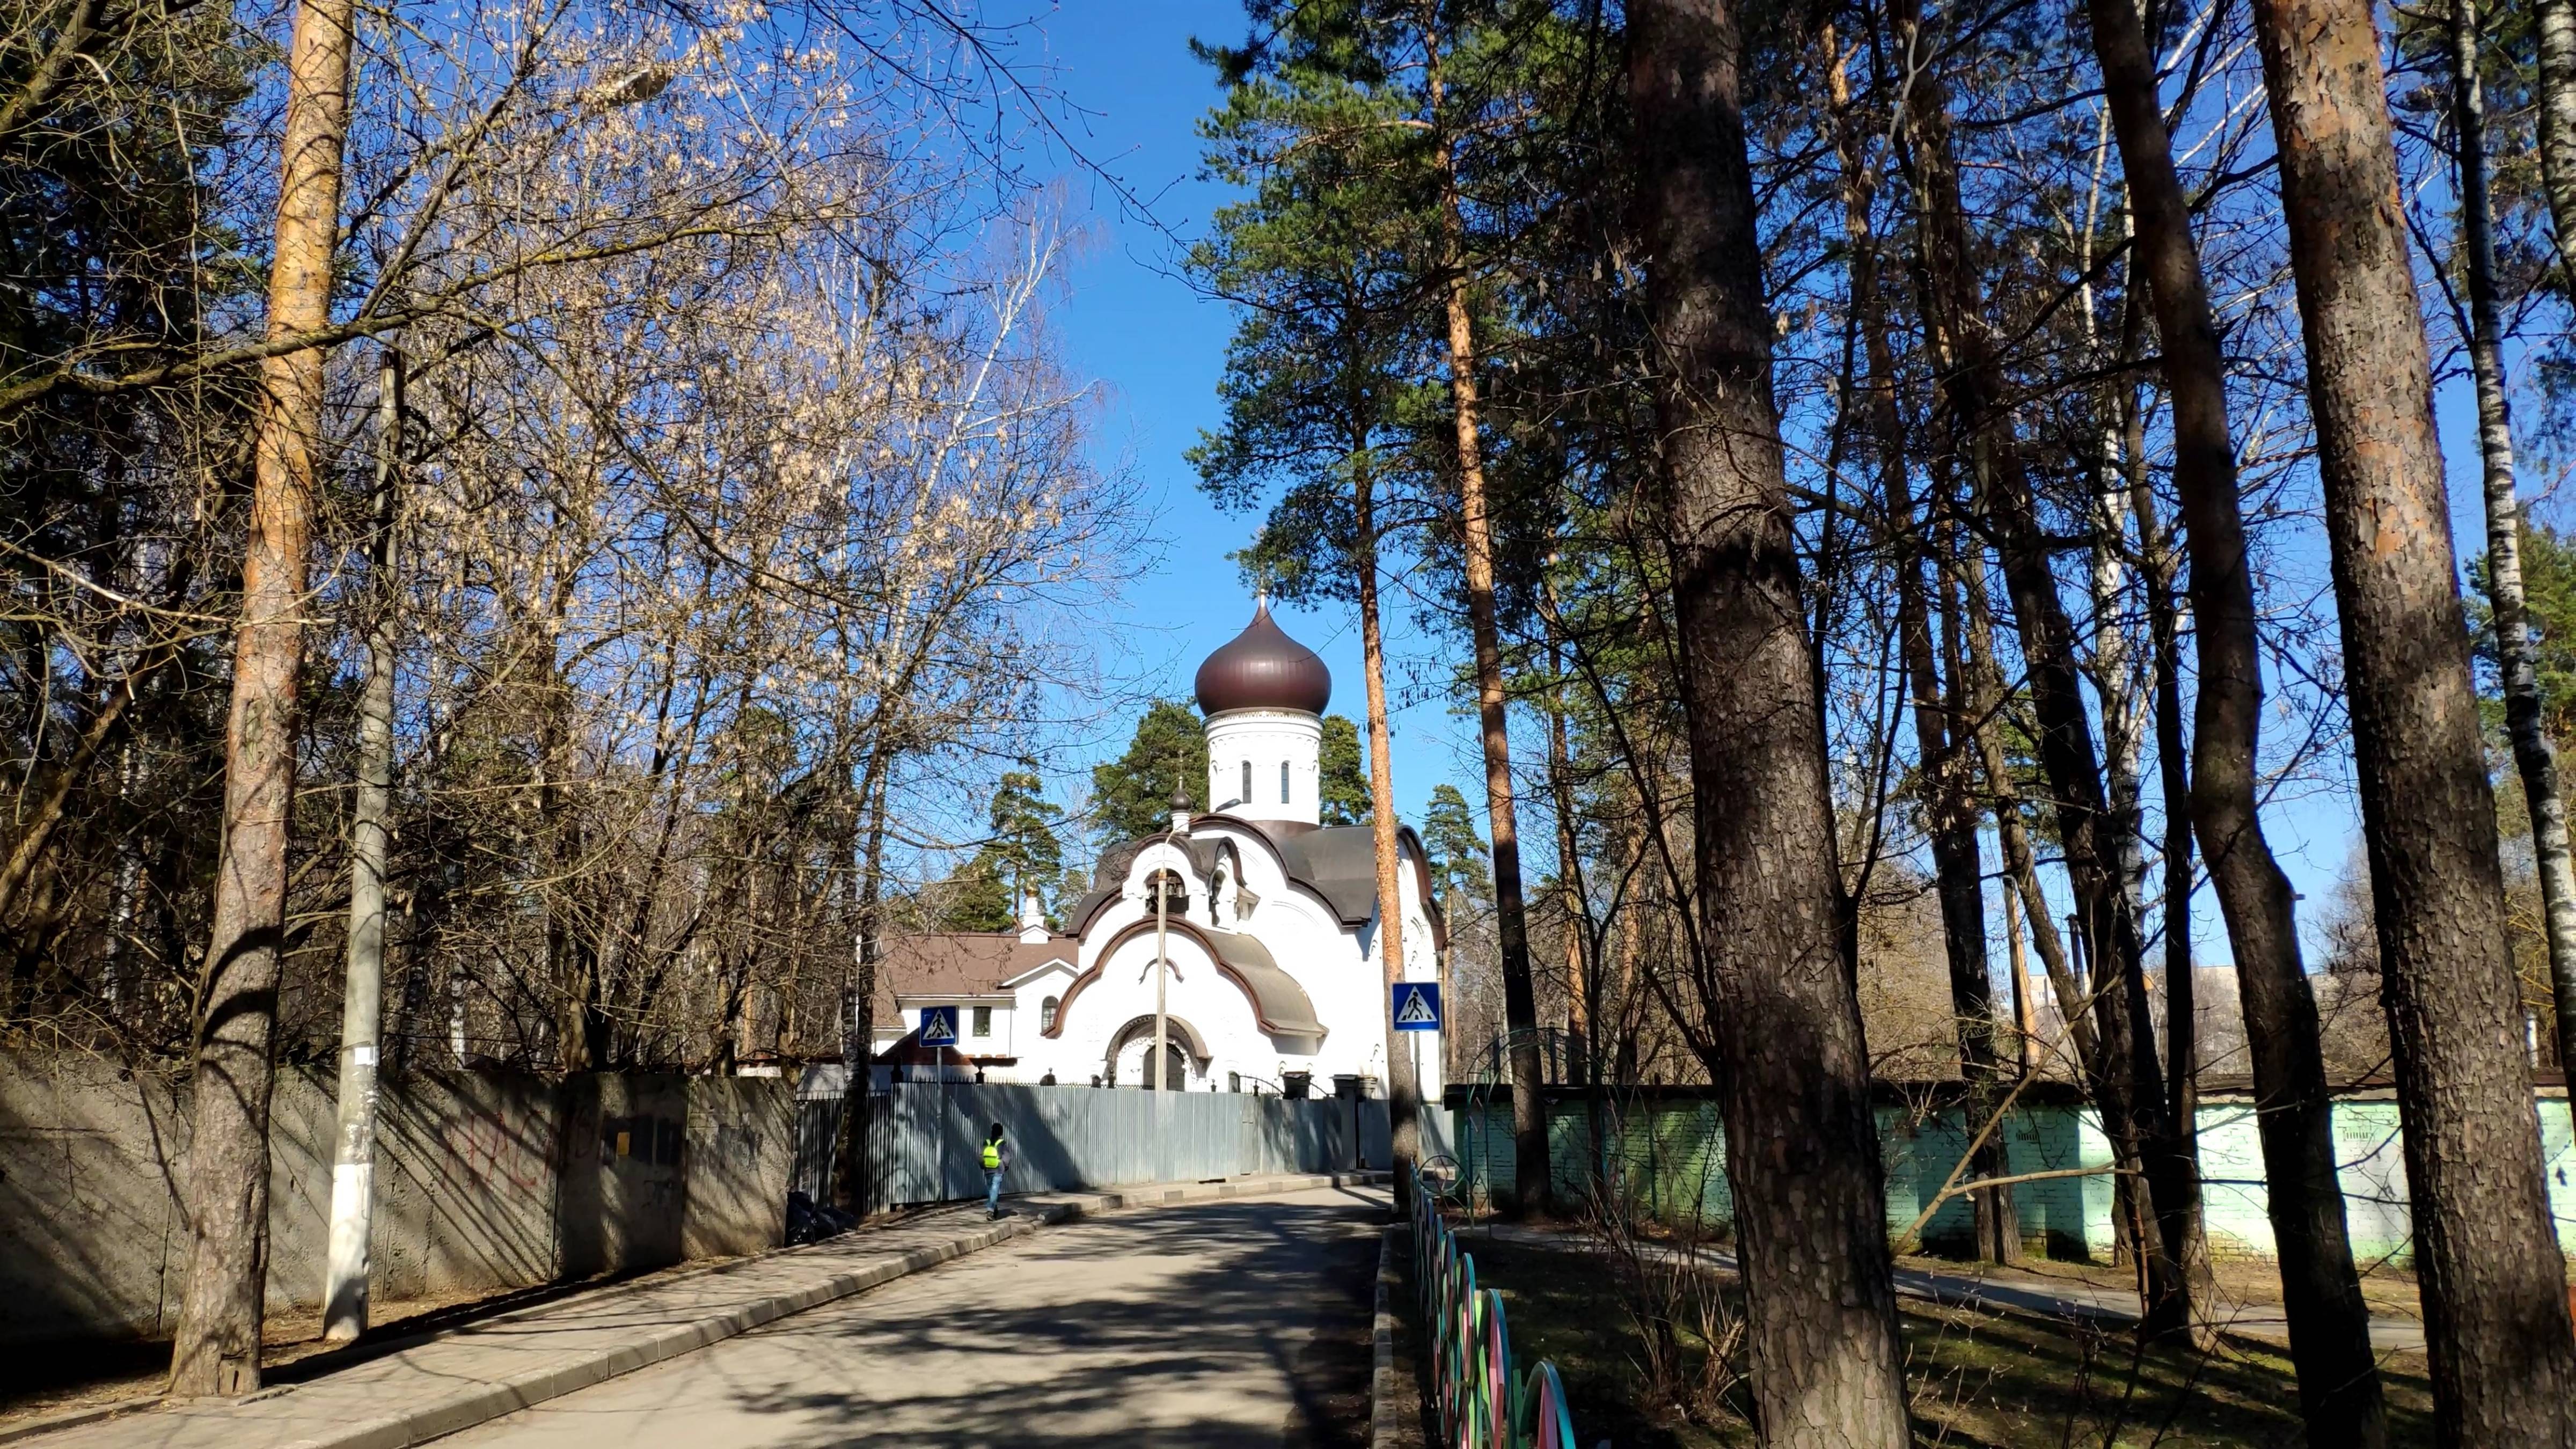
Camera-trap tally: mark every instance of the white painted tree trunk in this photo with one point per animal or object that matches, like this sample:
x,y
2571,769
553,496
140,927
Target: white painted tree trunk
x,y
353,1164
2535,756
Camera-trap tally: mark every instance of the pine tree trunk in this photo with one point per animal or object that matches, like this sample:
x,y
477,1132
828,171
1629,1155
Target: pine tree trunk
x,y
2495,1304
217,1349
1583,980
1951,816
1404,1092
2021,865
2129,1077
2321,1291
1801,1146
1531,1184
2535,755
2157,551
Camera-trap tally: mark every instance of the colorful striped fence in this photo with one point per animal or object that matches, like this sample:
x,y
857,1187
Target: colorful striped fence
x,y
1483,1402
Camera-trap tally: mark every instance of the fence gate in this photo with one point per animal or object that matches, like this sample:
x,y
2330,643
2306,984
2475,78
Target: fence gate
x,y
924,1139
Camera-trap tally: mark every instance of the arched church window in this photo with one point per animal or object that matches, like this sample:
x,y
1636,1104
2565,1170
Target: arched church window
x,y
1245,794
1046,1014
1283,782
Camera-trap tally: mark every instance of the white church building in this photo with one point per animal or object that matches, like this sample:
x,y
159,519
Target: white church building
x,y
1268,953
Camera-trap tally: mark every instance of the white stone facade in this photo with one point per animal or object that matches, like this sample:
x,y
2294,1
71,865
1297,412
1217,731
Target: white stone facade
x,y
1264,764
1268,962
1102,999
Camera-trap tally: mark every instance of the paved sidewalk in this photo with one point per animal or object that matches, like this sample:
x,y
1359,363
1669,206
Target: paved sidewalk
x,y
497,1367
2014,1291
1235,1325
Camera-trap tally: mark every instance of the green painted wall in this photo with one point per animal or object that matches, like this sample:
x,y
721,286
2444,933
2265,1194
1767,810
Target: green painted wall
x,y
1672,1156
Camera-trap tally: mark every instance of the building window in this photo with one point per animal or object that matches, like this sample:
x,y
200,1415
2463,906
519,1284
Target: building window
x,y
1046,1014
983,1021
1245,794
1283,782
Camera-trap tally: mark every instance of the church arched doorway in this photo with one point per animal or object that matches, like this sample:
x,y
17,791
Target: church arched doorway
x,y
1131,1055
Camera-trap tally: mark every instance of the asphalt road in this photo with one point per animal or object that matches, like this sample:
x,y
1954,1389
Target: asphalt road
x,y
1242,1323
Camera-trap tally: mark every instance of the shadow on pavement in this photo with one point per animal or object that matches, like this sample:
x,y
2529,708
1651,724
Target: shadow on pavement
x,y
1275,1293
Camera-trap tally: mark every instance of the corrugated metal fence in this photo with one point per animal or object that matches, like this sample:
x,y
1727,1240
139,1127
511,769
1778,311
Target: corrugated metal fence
x,y
925,1138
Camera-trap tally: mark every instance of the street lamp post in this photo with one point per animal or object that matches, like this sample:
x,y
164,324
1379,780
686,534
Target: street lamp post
x,y
1162,881
1162,970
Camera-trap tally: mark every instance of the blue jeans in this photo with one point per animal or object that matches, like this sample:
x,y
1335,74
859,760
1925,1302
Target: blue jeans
x,y
992,1189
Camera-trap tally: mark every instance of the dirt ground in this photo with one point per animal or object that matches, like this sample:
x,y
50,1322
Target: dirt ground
x,y
2389,1290
2005,1380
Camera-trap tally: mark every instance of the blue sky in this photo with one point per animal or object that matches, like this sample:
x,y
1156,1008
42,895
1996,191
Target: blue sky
x,y
1157,349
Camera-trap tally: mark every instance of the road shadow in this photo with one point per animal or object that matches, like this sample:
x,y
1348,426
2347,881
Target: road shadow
x,y
1276,1291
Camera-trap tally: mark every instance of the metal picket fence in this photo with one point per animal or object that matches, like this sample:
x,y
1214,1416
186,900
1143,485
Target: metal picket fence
x,y
1482,1400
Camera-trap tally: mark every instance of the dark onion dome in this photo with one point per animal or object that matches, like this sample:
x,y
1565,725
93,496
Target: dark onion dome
x,y
1262,668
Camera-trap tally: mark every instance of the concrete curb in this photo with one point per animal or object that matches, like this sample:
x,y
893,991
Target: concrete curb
x,y
490,1400
74,1418
1385,1429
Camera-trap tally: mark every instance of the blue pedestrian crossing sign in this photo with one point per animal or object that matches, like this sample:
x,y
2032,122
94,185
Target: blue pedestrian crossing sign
x,y
939,1026
1417,1006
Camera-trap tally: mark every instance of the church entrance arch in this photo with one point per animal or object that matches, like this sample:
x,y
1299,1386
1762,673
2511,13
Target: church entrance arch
x,y
1131,1055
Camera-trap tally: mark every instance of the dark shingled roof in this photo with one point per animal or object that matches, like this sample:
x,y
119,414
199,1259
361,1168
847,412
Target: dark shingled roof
x,y
960,963
1262,668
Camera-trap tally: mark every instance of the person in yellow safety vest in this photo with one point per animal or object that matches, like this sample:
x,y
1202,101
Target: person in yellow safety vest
x,y
997,1156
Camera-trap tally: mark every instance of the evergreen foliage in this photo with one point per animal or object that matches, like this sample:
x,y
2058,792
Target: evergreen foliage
x,y
1132,795
1458,867
1023,856
2549,587
1343,788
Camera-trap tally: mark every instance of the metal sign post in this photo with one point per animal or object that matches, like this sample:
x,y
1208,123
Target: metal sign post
x,y
1416,1008
939,1029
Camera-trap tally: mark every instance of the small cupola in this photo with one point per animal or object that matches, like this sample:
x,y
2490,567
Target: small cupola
x,y
1264,696
1262,668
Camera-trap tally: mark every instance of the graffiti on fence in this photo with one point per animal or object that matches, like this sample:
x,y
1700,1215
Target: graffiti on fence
x,y
493,1154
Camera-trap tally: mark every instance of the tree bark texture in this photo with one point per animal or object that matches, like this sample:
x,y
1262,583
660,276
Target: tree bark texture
x,y
1403,1090
2182,988
2556,22
217,1348
2129,1079
2329,1323
1801,1146
1583,976
2495,1303
2160,567
2535,755
1530,1178
2021,866
1950,816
